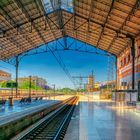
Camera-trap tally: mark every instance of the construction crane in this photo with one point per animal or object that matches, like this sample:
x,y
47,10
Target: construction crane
x,y
80,80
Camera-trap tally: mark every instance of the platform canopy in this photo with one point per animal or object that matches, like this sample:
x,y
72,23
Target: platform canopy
x,y
105,24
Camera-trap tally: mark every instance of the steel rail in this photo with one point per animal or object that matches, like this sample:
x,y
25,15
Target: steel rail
x,y
54,125
65,122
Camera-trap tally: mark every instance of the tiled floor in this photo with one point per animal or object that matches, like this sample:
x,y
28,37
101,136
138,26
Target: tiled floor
x,y
8,114
101,121
18,107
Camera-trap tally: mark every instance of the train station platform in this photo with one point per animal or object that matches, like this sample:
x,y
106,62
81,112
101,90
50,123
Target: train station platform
x,y
10,113
102,120
19,110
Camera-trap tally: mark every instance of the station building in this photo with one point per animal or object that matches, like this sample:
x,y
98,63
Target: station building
x,y
4,76
108,85
124,67
97,85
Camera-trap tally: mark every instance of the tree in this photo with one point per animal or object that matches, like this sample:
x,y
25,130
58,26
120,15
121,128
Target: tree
x,y
66,90
7,84
3,84
26,84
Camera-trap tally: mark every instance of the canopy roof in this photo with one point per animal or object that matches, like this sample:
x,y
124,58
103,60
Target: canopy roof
x,y
27,24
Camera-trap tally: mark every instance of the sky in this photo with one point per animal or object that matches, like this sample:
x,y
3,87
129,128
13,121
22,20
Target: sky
x,y
77,63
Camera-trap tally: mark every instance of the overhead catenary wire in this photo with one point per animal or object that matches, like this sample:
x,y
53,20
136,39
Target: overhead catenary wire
x,y
62,65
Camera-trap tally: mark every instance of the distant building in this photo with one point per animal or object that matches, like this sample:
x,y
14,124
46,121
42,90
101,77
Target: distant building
x,y
97,85
110,85
90,85
4,76
38,81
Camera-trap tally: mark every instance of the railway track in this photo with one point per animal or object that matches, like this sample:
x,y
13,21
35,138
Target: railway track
x,y
54,125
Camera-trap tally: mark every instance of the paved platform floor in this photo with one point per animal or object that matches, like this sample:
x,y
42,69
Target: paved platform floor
x,y
18,107
8,114
19,110
101,120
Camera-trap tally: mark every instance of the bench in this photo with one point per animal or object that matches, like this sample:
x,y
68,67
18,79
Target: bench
x,y
25,100
2,102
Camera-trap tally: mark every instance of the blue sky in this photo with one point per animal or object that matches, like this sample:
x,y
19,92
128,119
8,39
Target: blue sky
x,y
78,63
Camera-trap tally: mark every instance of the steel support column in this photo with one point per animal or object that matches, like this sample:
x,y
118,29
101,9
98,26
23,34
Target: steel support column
x,y
17,66
116,64
133,61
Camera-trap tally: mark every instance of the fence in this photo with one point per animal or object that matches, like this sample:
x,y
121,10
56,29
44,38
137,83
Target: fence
x,y
125,95
6,93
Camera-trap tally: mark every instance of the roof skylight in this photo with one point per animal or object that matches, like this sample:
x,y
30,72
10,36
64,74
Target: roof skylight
x,y
67,5
51,5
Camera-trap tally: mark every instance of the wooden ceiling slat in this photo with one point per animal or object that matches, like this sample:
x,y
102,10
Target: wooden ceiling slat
x,y
87,28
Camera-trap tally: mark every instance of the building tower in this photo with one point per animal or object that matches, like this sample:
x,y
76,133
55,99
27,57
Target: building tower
x,y
90,85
